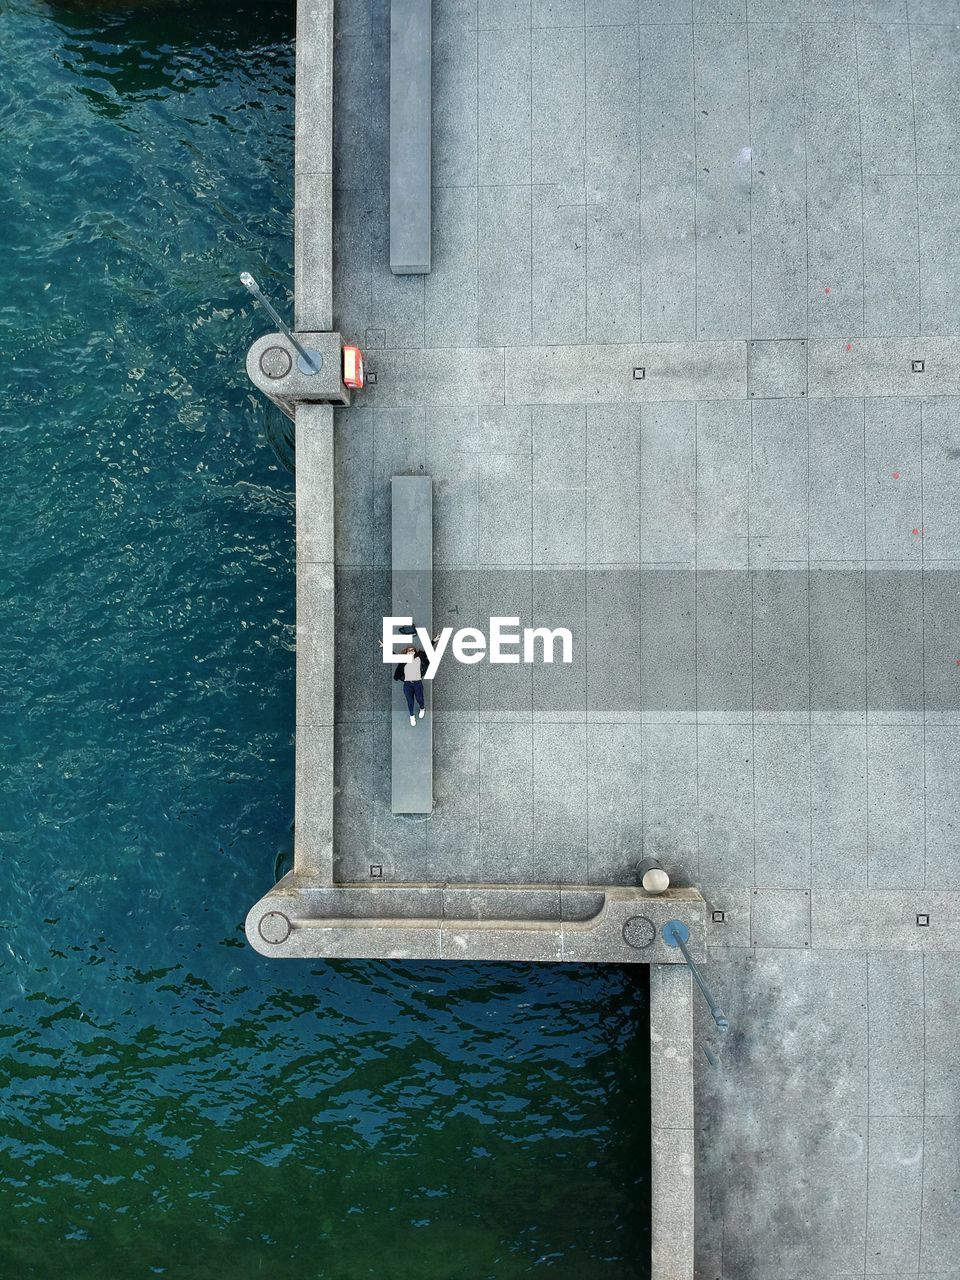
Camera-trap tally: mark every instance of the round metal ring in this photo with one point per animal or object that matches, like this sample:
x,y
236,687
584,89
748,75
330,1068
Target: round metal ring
x,y
639,932
275,362
274,927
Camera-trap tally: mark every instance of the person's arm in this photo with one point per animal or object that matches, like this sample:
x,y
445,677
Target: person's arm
x,y
422,655
404,631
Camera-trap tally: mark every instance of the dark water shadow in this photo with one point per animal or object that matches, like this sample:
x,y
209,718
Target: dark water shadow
x,y
245,24
155,47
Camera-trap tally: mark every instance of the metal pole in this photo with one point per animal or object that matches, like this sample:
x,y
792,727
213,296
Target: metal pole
x,y
675,934
310,361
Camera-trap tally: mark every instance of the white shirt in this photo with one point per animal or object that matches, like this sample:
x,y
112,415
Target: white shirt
x,y
413,670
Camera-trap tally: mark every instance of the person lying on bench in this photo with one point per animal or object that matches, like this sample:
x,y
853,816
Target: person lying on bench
x,y
410,671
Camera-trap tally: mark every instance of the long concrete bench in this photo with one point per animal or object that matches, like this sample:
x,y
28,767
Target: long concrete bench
x,y
410,128
412,583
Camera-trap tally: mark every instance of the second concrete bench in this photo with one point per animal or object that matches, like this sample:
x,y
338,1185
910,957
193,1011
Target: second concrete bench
x,y
412,594
410,130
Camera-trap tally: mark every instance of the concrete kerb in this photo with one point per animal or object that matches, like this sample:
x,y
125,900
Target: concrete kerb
x,y
604,375
671,1123
381,923
313,167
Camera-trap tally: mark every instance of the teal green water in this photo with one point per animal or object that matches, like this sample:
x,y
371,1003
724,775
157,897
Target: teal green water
x,y
172,1103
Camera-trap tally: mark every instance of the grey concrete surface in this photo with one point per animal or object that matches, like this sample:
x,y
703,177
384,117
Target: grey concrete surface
x,y
672,1122
313,168
745,197
411,168
499,922
314,739
411,545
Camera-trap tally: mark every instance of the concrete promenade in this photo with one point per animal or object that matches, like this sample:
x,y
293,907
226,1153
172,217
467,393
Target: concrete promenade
x,y
686,376
623,174
540,899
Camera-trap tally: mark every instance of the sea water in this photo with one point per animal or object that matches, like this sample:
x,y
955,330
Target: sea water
x,y
172,1103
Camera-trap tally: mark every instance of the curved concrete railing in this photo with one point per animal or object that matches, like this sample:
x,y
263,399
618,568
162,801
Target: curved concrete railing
x,y
593,924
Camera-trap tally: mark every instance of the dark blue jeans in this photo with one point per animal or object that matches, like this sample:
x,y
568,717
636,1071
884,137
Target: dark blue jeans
x,y
413,689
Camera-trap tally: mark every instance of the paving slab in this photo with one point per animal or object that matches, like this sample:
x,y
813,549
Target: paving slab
x,y
886,920
724,454
940,1232
883,366
613,476
584,374
728,917
780,918
668,646
503,105
939,223
777,368
935,52
782,801
612,636
884,74
450,297
941,1096
834,219
454,141
449,376
891,255
838,806
896,1010
670,819
615,817
559,270
724,159
779,483
941,454
668,258
559,486
724,648
504,255
781,646
778,232
612,76
836,480
557,88
668,484
726,805
612,266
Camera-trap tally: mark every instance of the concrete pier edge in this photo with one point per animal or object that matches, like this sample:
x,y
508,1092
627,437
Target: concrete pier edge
x,y
306,914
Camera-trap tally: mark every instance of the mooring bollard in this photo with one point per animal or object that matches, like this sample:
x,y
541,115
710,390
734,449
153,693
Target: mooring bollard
x,y
675,934
652,876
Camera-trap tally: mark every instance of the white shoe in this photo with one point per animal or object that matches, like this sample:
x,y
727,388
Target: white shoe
x,y
421,712
413,722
